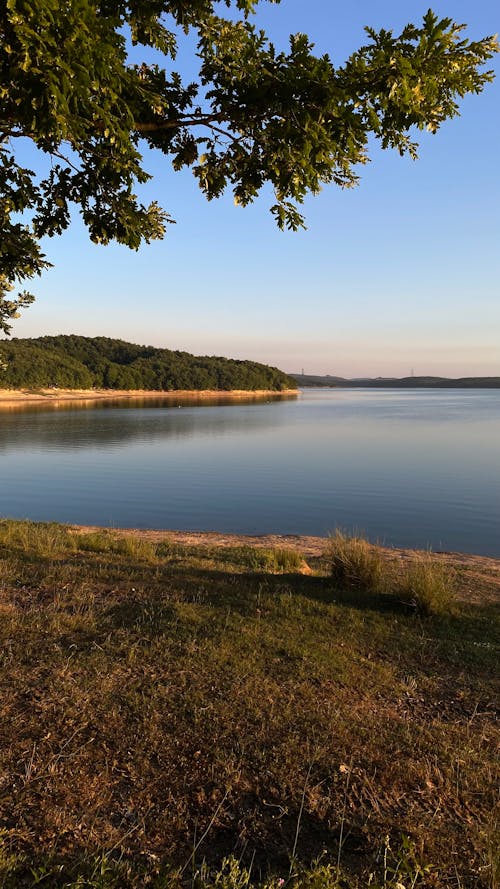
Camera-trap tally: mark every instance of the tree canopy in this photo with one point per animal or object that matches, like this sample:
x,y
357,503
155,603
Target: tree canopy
x,y
79,362
255,115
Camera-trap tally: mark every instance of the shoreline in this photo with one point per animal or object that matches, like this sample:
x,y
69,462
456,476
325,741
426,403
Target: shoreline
x,y
16,397
480,575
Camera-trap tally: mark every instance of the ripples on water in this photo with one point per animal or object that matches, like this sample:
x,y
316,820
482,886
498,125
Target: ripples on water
x,y
408,467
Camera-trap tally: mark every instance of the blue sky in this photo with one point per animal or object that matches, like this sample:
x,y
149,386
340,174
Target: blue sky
x,y
399,273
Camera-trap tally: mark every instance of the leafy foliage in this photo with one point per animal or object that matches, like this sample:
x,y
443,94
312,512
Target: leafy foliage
x,y
78,362
256,115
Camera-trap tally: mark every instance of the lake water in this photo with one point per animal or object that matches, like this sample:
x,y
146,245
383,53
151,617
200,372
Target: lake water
x,y
411,468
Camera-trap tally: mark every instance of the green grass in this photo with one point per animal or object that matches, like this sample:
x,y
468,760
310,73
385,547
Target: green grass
x,y
185,716
105,542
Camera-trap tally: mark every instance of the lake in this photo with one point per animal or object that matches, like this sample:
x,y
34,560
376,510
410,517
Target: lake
x,y
416,468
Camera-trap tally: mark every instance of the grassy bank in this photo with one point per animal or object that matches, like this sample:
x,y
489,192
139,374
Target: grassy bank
x,y
198,716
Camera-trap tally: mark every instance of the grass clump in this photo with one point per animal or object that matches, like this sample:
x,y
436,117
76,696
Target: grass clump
x,y
277,560
422,583
356,564
427,585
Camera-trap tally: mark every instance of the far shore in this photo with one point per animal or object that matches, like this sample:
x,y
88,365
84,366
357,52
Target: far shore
x,y
16,397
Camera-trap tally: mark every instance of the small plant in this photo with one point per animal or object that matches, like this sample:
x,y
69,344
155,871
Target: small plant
x,y
427,585
356,564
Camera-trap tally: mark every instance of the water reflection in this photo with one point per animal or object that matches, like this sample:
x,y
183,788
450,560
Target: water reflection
x,y
118,423
138,401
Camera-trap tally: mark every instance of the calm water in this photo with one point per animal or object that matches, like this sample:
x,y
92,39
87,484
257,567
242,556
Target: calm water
x,y
410,468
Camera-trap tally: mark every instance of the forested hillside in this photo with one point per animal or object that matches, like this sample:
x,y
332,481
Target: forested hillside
x,y
78,362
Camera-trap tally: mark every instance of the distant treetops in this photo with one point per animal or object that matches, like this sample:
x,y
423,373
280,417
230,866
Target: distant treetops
x,y
78,362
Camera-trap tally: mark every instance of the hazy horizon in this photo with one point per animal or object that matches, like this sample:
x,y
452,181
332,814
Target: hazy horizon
x,y
412,371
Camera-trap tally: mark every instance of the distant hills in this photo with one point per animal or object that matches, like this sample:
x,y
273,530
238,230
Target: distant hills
x,y
399,383
79,362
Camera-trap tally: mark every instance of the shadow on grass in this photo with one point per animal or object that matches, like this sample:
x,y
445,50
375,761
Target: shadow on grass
x,y
264,838
163,583
220,587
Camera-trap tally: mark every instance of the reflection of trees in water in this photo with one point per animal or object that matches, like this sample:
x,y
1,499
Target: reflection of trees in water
x,y
115,423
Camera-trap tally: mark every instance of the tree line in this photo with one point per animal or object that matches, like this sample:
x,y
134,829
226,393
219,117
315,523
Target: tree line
x,y
78,362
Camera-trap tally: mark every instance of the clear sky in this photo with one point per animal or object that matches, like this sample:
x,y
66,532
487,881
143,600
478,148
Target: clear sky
x,y
399,273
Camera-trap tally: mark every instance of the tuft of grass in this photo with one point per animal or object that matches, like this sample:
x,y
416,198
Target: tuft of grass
x,y
356,564
276,560
427,585
279,560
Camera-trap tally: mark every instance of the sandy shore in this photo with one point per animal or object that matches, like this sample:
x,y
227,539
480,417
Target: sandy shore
x,y
16,397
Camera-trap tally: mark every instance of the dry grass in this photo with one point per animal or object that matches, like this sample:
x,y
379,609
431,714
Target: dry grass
x,y
356,564
164,711
427,585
